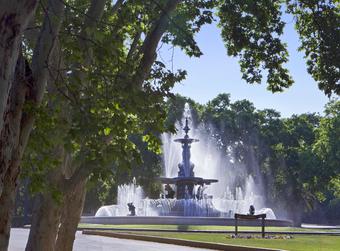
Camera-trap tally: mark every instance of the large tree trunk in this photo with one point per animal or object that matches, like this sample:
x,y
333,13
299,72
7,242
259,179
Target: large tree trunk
x,y
72,210
10,133
46,215
14,17
45,223
7,201
10,150
48,211
29,86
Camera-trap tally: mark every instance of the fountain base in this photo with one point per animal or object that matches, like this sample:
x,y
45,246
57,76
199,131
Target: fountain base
x,y
178,220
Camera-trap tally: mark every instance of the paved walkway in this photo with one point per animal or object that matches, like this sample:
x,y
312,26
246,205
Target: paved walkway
x,y
305,225
317,231
95,243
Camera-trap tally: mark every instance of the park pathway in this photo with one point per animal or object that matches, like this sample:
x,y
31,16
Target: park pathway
x,y
95,243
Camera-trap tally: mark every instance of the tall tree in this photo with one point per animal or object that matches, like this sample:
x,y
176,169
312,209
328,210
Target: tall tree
x,y
26,90
111,98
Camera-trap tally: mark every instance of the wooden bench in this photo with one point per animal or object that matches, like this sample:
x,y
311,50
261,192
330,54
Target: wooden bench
x,y
250,217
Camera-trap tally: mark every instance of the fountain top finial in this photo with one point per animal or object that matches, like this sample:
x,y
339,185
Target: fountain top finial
x,y
186,138
186,128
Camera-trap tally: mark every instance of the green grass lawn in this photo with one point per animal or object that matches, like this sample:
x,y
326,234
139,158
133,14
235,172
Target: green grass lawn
x,y
298,243
191,227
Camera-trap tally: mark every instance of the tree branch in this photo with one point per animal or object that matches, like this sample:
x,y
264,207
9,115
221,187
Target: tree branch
x,y
92,17
45,46
133,46
151,41
40,62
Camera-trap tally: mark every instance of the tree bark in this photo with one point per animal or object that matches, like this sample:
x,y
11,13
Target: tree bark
x,y
7,201
10,148
72,211
14,17
28,87
45,223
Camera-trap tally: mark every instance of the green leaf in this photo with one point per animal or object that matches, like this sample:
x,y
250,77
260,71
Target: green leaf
x,y
107,131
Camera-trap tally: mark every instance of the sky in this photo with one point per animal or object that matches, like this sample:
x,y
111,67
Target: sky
x,y
215,72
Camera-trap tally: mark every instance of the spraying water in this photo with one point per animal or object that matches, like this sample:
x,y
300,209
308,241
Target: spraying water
x,y
234,192
127,193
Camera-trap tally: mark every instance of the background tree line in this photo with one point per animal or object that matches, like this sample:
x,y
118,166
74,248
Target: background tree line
x,y
298,157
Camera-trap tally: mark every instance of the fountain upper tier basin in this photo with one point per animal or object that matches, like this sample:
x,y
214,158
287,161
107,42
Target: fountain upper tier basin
x,y
186,140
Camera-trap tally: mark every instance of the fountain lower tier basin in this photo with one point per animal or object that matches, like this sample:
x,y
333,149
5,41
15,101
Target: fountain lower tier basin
x,y
183,207
177,220
187,180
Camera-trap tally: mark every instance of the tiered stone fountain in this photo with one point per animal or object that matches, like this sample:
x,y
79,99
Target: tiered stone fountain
x,y
186,198
186,181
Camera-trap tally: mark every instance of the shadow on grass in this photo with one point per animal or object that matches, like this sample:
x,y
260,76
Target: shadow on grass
x,y
182,227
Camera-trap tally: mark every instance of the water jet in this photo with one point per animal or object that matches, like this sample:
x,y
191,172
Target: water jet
x,y
212,193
